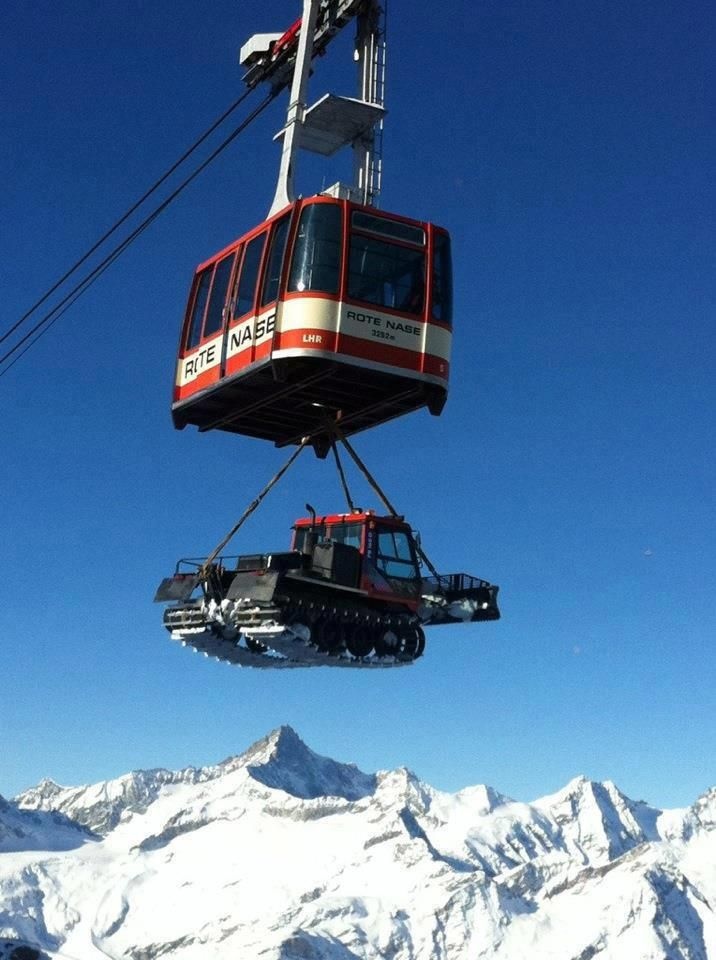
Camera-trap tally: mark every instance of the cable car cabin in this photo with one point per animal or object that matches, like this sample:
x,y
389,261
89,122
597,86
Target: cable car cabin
x,y
327,311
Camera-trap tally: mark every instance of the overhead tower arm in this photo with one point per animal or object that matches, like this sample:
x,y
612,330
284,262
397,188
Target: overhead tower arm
x,y
333,121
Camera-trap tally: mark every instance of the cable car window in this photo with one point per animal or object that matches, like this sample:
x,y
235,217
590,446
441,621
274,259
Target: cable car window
x,y
246,289
395,556
316,261
275,261
442,279
394,229
386,274
197,313
215,314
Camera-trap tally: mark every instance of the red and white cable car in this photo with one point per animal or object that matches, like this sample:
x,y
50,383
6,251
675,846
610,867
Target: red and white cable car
x,y
329,309
328,318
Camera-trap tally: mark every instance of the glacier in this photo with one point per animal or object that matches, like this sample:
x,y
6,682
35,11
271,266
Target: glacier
x,y
282,854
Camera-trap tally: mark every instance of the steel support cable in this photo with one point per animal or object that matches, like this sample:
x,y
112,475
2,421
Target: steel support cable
x,y
145,196
53,320
367,474
111,257
74,296
250,509
341,474
374,484
125,216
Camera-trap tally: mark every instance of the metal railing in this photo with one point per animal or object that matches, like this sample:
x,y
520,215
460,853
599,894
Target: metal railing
x,y
453,583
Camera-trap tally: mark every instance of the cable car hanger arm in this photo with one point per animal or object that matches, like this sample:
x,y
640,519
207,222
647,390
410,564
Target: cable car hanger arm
x,y
270,57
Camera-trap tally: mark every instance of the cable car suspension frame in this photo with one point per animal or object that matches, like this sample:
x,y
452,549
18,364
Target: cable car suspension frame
x,y
332,122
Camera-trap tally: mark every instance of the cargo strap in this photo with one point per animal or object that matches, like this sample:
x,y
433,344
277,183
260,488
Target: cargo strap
x,y
336,435
206,566
375,485
339,467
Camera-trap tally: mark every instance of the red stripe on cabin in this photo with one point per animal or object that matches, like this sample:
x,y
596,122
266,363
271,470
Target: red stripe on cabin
x,y
203,381
309,338
263,350
436,366
238,361
364,349
380,352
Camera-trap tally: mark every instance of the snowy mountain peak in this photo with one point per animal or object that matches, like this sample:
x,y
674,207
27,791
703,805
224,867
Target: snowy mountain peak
x,y
705,808
282,761
101,806
700,816
482,799
571,791
40,797
48,788
283,740
403,787
598,820
281,853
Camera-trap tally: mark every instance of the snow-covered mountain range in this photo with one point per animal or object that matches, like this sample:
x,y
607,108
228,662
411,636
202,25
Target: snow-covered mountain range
x,y
281,854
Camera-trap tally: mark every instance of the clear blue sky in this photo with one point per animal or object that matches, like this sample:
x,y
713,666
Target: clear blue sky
x,y
569,149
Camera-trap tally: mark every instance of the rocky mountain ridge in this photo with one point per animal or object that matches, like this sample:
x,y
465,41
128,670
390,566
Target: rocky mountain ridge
x,y
282,854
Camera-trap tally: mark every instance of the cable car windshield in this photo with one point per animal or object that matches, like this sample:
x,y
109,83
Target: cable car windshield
x,y
275,261
246,286
384,273
215,313
394,229
316,259
202,286
442,279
